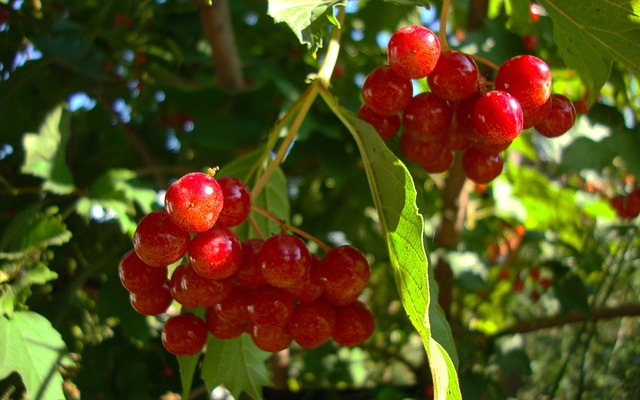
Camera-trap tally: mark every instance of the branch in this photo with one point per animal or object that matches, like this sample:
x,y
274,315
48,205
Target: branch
x,y
218,29
632,310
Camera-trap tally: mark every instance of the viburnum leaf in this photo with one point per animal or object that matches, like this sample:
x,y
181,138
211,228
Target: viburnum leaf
x,y
31,347
46,153
394,195
32,228
299,15
237,364
591,34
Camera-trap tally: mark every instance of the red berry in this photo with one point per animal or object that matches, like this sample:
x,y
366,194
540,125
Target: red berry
x,y
194,202
455,76
518,286
534,116
413,51
233,308
534,12
535,274
270,305
457,140
216,253
285,260
530,42
481,167
237,201
440,164
312,323
344,272
546,282
497,117
201,292
354,324
385,92
427,117
220,328
491,148
527,78
178,290
152,302
420,152
311,288
137,276
271,338
560,119
158,241
385,126
184,335
250,273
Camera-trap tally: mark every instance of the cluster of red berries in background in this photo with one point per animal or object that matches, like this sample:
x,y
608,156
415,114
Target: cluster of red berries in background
x,y
274,289
627,205
459,113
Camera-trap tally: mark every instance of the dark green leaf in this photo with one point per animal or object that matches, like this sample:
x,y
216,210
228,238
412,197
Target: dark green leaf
x,y
188,366
34,229
591,34
33,348
46,153
237,364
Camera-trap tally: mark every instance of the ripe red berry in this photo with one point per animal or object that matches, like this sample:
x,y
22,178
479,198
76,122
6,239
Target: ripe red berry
x,y
560,119
534,12
233,308
184,335
312,323
220,328
455,76
250,273
311,288
527,78
216,253
151,302
344,272
385,126
271,338
413,51
137,276
530,42
285,260
534,116
237,201
158,241
440,164
481,167
178,290
194,202
270,305
497,117
427,117
491,148
201,292
354,324
385,92
418,151
457,140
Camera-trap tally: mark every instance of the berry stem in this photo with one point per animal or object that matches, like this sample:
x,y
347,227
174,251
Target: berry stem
x,y
484,61
285,226
329,63
254,225
442,34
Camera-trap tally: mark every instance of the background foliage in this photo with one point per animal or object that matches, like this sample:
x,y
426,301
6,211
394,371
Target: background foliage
x,y
103,104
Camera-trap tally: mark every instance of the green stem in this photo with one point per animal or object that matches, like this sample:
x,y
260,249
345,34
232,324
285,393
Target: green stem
x,y
329,63
442,34
12,190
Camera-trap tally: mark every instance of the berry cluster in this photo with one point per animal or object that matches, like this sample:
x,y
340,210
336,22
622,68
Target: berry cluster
x,y
627,205
459,113
274,289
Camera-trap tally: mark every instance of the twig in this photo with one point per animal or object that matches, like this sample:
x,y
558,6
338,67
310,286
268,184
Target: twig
x,y
442,34
329,63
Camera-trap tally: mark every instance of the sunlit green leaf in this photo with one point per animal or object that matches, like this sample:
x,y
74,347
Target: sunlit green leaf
x,y
34,229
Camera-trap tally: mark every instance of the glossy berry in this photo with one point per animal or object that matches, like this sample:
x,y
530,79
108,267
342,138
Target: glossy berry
x,y
137,276
312,323
455,76
271,338
311,288
152,302
527,78
201,292
220,328
354,324
178,290
440,164
413,51
560,119
184,335
237,201
344,272
457,140
481,167
497,117
285,260
194,202
386,126
250,273
270,305
427,117
464,115
233,308
385,92
158,241
216,253
534,116
491,148
420,152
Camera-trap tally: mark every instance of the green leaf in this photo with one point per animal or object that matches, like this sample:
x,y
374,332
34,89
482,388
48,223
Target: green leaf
x,y
237,364
46,152
188,366
591,34
33,348
299,15
394,195
272,198
32,228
